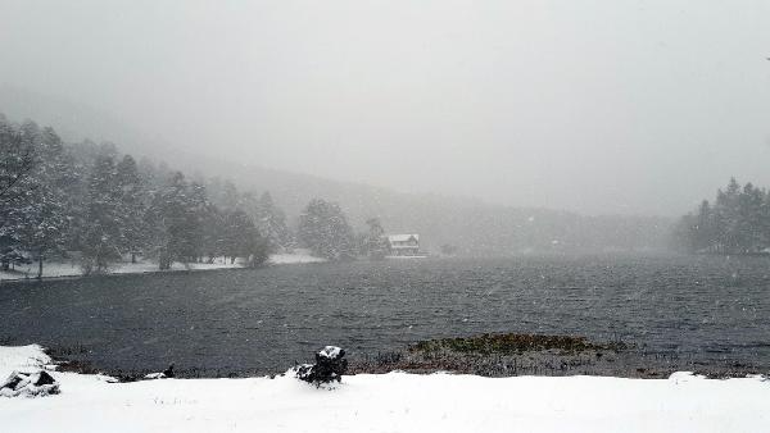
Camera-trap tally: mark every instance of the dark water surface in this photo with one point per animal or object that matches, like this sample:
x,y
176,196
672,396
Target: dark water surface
x,y
708,309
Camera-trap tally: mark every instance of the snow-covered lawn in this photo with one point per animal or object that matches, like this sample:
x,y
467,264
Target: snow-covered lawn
x,y
68,269
395,402
299,255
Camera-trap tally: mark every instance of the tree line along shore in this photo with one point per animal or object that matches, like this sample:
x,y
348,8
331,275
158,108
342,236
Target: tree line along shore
x,y
736,223
88,203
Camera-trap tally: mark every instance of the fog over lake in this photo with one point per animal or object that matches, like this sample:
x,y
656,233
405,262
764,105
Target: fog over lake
x,y
628,107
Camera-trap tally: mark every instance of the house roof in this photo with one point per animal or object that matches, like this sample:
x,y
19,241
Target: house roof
x,y
403,237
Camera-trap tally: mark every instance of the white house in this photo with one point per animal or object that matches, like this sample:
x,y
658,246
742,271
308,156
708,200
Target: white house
x,y
404,244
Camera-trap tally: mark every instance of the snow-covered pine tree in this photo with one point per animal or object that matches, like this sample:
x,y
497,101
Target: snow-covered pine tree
x,y
375,245
324,229
198,207
17,163
737,223
133,202
242,238
17,160
175,225
41,216
271,221
102,238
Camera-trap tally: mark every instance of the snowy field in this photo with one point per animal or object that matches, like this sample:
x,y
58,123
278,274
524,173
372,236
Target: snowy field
x,y
299,255
395,402
59,269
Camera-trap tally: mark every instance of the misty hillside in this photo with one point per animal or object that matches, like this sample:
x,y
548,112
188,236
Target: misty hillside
x,y
471,225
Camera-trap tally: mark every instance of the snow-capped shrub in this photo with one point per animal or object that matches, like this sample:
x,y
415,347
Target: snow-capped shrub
x,y
330,365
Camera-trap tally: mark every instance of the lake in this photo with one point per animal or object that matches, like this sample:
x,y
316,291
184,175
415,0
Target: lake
x,y
704,309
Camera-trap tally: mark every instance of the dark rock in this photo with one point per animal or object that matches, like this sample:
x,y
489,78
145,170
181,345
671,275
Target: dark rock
x,y
44,379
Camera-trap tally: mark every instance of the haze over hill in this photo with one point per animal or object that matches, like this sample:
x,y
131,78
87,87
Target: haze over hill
x,y
596,108
470,224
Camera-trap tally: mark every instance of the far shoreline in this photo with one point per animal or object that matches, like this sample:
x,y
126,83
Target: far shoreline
x,y
72,271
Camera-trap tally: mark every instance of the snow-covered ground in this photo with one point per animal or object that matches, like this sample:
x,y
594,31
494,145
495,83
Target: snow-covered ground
x,y
68,269
395,402
300,255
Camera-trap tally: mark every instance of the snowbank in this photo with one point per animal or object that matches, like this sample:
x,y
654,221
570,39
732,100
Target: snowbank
x,y
65,269
21,358
395,402
50,270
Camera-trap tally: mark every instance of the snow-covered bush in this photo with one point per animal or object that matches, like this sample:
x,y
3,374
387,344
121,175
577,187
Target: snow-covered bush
x,y
330,365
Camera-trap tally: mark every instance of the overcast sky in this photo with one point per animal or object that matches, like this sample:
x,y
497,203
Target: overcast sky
x,y
594,106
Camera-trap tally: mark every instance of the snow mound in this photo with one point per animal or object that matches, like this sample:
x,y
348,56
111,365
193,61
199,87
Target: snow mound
x,y
22,358
37,384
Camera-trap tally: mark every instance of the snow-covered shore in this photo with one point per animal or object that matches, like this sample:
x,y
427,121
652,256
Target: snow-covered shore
x,y
298,256
394,402
69,269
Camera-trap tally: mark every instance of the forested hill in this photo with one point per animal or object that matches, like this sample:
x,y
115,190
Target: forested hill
x,y
470,225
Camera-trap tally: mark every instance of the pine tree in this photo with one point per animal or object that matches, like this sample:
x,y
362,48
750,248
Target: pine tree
x,y
213,233
375,245
198,206
271,221
173,223
324,229
242,239
17,163
17,160
39,217
737,223
102,236
132,207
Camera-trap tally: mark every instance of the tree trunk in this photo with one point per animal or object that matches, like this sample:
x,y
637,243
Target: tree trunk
x,y
39,266
133,258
